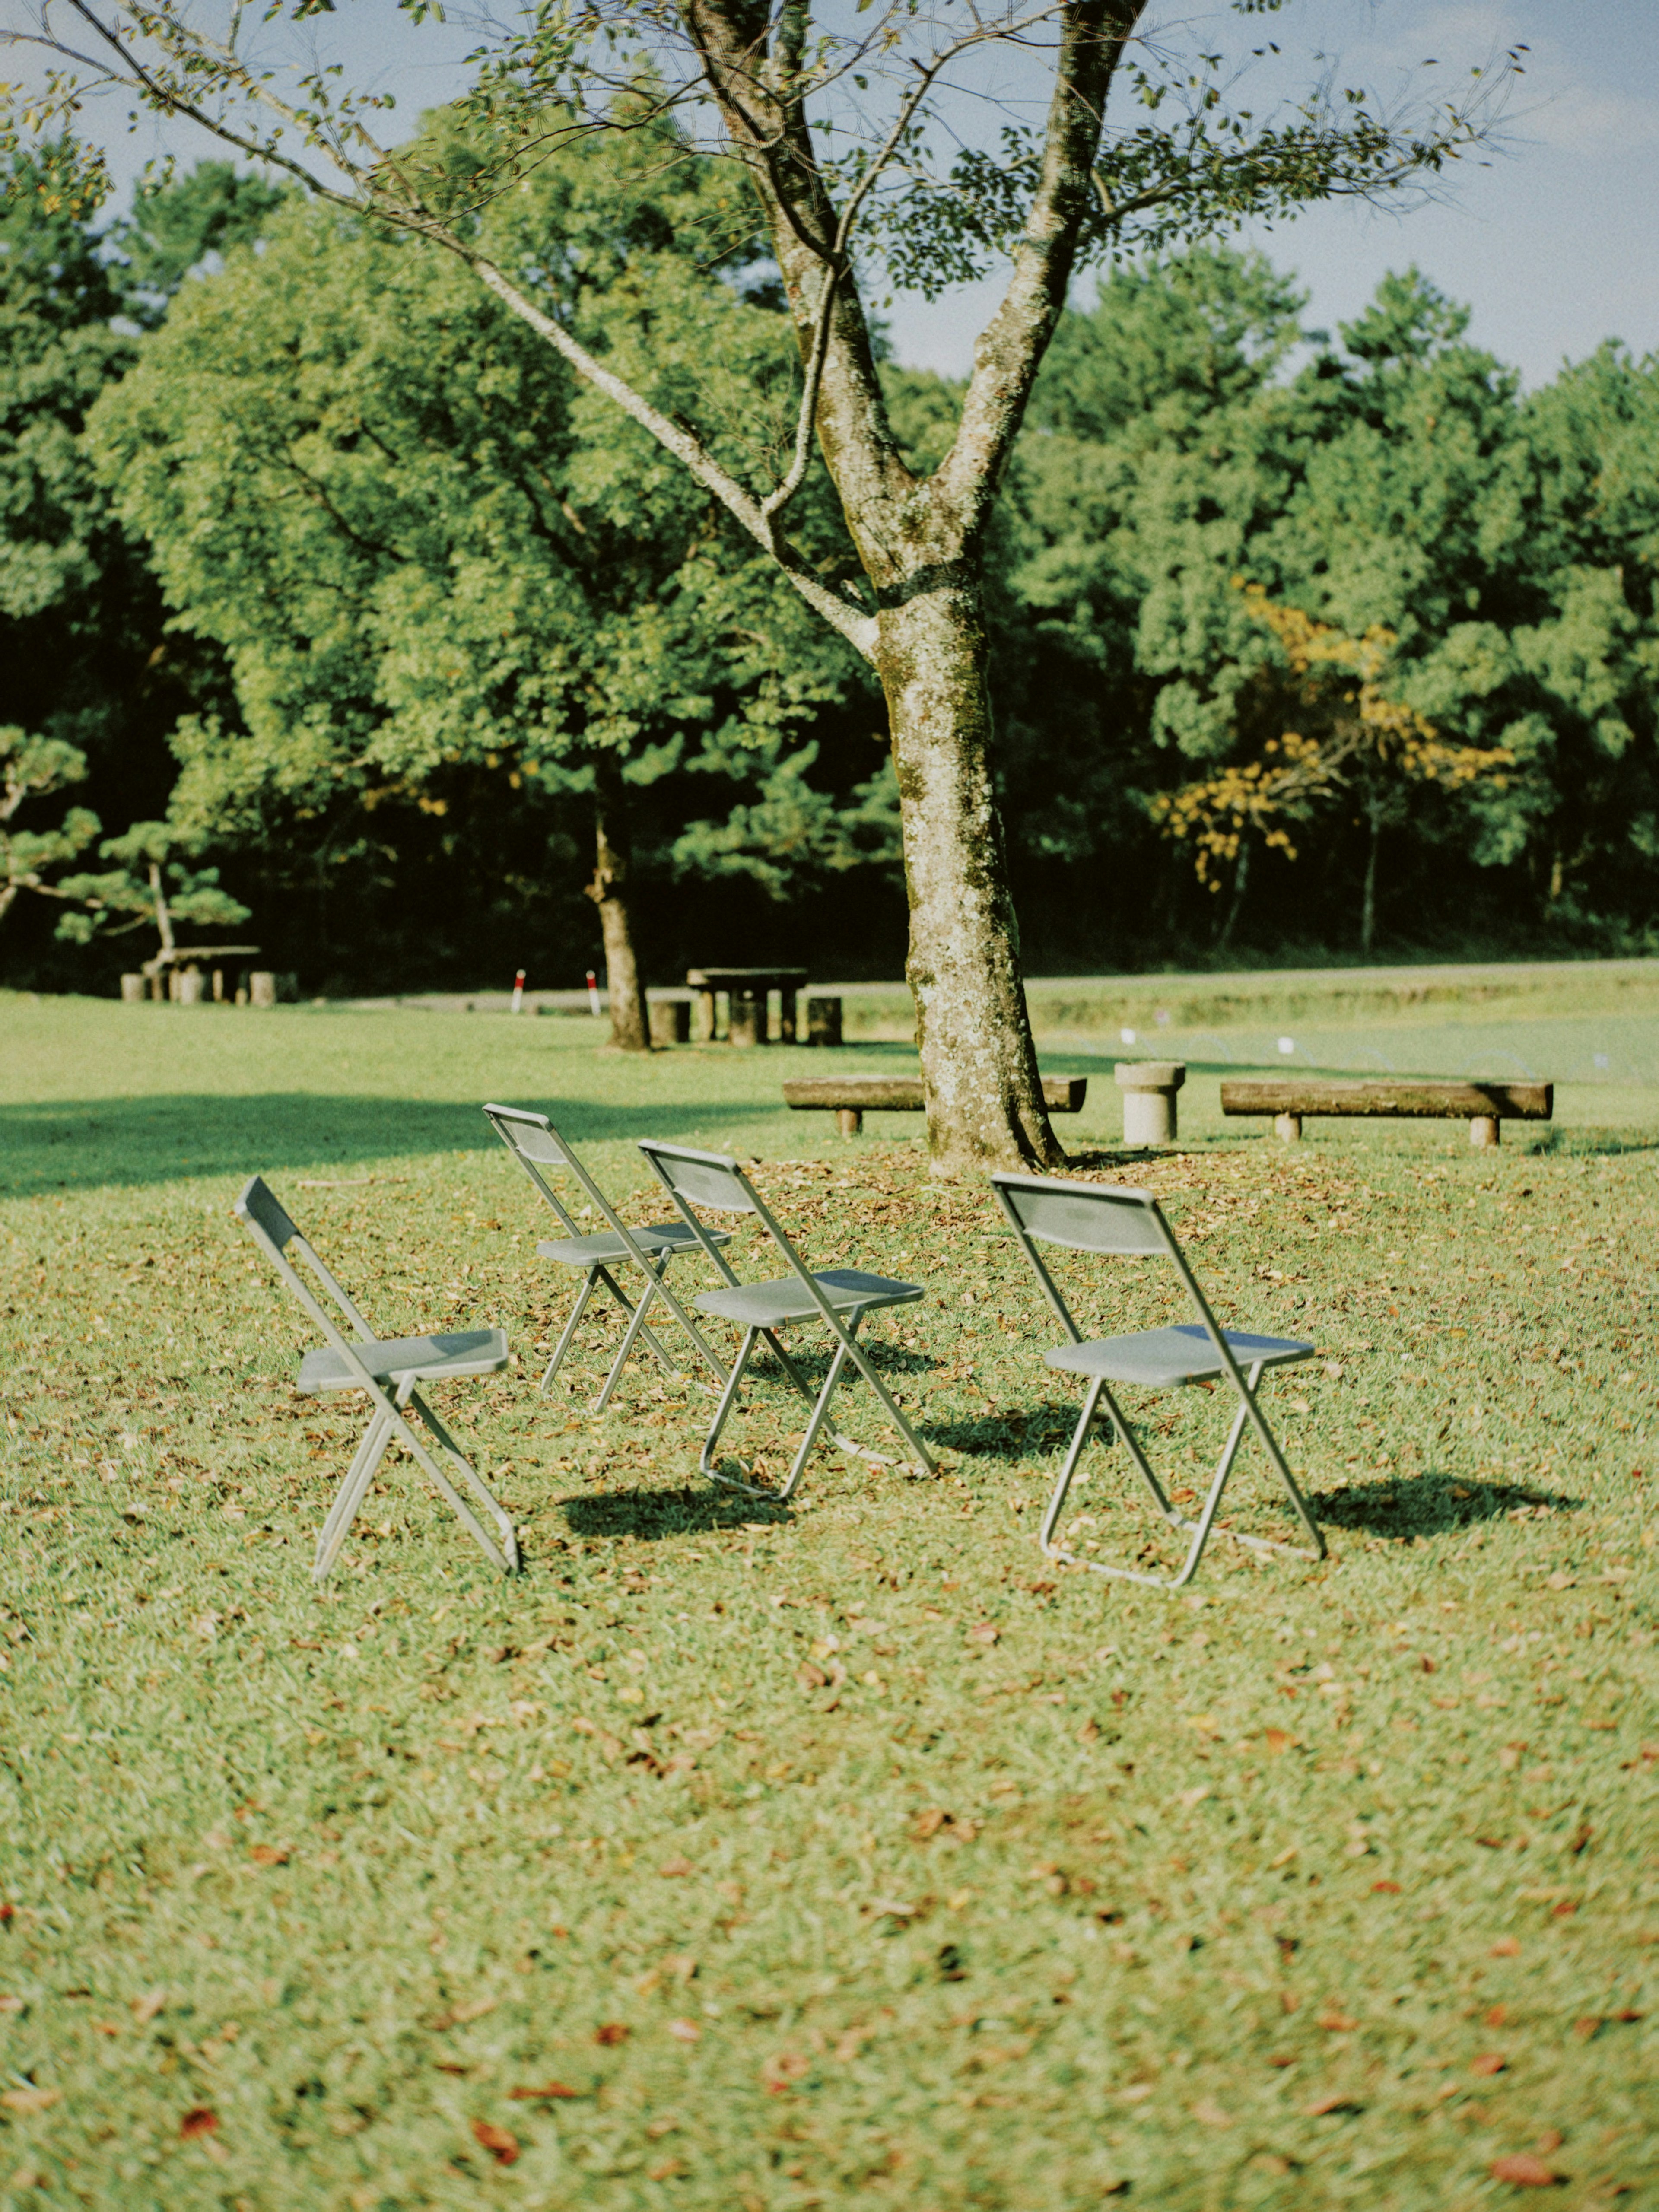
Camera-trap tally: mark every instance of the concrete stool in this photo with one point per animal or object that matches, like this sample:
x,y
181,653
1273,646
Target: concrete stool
x,y
824,1021
262,988
135,989
1149,1088
671,1019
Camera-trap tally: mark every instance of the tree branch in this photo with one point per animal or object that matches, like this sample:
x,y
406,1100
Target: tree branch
x,y
1010,348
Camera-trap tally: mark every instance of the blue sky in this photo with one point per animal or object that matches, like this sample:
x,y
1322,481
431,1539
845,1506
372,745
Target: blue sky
x,y
1553,241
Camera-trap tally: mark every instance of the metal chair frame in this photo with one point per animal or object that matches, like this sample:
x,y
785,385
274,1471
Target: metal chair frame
x,y
719,1184
1128,1223
407,1361
535,1143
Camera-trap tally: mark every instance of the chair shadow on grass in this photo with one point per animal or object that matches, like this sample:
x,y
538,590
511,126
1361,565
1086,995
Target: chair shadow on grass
x,y
1403,1509
83,1142
651,1517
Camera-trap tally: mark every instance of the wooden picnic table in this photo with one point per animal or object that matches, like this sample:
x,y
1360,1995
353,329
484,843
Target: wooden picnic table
x,y
747,989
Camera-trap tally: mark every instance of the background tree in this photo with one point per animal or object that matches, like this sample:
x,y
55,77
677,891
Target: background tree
x,y
34,768
149,889
84,662
1351,736
443,576
789,93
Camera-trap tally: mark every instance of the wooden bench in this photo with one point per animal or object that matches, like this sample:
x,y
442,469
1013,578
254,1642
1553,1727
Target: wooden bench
x,y
850,1098
1485,1105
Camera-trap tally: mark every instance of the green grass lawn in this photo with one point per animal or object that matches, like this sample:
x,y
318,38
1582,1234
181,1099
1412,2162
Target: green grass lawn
x,y
751,1861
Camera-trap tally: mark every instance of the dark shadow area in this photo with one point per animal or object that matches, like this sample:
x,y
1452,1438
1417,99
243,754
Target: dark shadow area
x,y
1043,1432
81,1143
1598,1143
651,1516
1428,1504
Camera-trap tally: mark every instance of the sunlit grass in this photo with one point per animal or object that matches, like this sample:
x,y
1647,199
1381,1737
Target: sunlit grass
x,y
846,1856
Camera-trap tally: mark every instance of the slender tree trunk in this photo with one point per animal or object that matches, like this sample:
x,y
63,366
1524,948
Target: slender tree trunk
x,y
1235,905
1367,897
979,1066
630,1027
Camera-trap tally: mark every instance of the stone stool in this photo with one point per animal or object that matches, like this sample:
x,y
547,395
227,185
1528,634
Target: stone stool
x,y
1149,1088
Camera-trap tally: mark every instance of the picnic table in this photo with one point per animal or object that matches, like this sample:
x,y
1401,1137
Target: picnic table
x,y
746,989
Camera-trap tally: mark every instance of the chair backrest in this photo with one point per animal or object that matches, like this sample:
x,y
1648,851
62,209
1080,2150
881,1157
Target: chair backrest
x,y
536,1143
1085,1217
702,1178
710,1179
1113,1218
269,1224
258,1203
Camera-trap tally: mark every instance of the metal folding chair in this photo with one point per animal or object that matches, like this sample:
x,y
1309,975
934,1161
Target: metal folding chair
x,y
1083,1216
388,1371
537,1145
839,1296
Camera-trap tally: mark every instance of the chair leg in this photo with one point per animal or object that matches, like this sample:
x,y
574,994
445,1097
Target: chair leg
x,y
634,1315
507,1559
1074,1454
722,1412
1201,1529
577,1313
816,1418
352,1492
636,1324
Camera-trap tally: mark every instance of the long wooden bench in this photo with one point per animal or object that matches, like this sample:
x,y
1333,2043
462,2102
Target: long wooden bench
x,y
850,1098
1486,1106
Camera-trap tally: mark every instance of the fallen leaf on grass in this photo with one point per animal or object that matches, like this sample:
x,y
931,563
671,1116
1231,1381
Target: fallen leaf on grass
x,y
456,2014
685,2031
665,2169
13,2004
612,2032
1211,2114
269,1855
548,2091
1489,2062
200,2120
1506,1947
145,2008
502,2146
1339,2100
1385,1888
30,2099
1277,1741
1338,2022
782,2068
1526,2171
671,1868
986,1632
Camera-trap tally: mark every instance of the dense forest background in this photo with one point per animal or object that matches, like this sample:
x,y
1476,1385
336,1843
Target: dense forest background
x,y
315,564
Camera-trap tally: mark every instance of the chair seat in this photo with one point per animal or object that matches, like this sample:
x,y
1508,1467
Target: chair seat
x,y
598,1251
763,1305
1157,1357
428,1359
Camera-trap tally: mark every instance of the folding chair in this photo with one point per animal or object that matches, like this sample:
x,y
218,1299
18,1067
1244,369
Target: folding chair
x,y
707,1179
1085,1217
536,1144
370,1364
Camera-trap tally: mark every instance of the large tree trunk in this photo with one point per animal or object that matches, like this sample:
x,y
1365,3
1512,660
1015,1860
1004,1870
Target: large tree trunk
x,y
979,1066
630,1027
